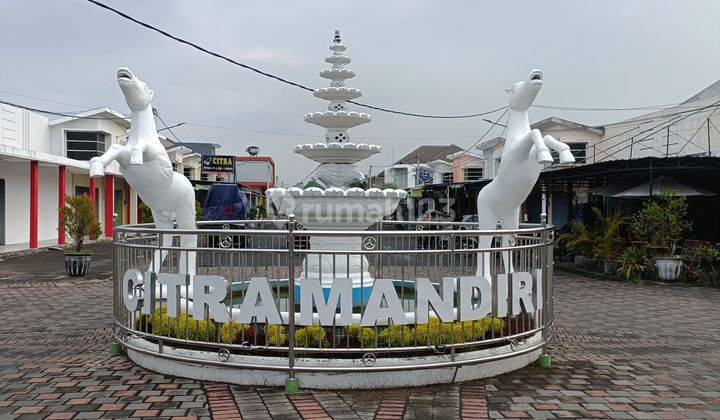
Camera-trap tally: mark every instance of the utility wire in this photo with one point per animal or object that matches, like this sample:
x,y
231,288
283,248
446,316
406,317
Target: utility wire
x,y
168,128
62,114
695,133
43,99
270,75
658,130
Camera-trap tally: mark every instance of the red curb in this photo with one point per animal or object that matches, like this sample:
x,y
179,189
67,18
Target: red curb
x,y
221,401
473,404
308,407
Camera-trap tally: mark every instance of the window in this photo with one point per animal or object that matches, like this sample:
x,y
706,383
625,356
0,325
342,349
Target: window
x,y
446,177
472,174
205,177
187,172
175,166
84,145
579,150
400,177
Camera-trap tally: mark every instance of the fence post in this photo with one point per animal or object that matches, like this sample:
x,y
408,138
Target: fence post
x,y
544,359
291,383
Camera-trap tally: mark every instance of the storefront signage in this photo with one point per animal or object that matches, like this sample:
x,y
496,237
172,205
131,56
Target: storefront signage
x,y
456,298
216,163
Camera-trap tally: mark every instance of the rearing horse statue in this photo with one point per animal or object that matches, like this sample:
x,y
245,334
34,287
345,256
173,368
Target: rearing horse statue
x,y
146,167
525,154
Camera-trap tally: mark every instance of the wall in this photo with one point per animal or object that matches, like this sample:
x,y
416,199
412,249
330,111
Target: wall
x,y
17,201
47,202
617,138
466,160
23,129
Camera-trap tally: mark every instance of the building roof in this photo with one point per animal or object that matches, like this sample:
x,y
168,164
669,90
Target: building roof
x,y
550,121
492,143
202,148
708,92
102,112
425,154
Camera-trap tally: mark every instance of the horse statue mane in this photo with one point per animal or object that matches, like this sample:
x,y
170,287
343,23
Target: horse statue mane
x,y
525,154
146,166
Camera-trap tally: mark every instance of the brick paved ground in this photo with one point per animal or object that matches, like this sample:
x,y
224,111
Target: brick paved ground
x,y
622,351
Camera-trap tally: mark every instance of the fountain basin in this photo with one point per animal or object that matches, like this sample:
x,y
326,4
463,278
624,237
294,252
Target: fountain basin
x,y
337,152
335,209
337,74
337,119
337,93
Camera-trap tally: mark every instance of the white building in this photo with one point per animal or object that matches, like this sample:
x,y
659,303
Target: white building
x,y
43,160
406,172
581,139
690,128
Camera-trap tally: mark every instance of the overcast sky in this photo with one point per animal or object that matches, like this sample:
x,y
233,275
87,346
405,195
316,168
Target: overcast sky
x,y
440,57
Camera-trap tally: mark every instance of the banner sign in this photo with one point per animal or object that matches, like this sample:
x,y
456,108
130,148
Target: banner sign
x,y
216,163
454,298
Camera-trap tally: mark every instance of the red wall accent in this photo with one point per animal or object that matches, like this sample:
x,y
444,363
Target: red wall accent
x,y
33,204
109,207
127,203
61,202
92,191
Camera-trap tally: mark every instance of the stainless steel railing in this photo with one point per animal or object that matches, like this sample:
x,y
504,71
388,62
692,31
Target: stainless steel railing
x,y
402,252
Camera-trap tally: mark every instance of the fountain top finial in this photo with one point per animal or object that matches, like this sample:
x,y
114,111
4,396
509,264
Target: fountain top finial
x,y
336,38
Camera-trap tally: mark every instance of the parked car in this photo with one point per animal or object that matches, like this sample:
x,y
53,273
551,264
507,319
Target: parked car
x,y
224,203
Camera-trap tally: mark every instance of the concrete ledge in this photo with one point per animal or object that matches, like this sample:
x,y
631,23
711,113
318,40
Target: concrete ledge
x,y
333,373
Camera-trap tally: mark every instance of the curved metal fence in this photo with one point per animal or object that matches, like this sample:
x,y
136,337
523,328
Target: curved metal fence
x,y
269,288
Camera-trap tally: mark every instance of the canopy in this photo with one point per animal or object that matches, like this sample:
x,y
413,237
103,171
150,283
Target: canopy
x,y
643,190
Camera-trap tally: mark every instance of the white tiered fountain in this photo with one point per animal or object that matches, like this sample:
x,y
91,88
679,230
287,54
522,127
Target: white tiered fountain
x,y
328,201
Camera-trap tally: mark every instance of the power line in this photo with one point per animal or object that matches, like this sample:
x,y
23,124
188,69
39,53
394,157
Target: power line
x,y
61,114
43,99
715,104
634,108
168,128
65,114
272,76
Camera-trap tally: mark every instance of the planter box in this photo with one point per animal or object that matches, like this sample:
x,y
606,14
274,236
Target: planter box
x,y
669,268
77,264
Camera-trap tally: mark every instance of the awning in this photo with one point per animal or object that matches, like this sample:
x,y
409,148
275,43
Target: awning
x,y
643,190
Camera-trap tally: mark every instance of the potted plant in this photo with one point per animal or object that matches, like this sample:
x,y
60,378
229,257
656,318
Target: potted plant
x,y
631,263
661,222
607,239
77,219
580,241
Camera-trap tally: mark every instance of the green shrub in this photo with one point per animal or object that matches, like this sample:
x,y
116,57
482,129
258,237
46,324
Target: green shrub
x,y
397,336
230,332
434,332
311,336
276,335
182,326
631,263
661,221
364,336
160,322
77,219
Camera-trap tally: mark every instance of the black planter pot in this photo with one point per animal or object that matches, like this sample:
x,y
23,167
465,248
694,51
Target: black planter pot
x,y
77,265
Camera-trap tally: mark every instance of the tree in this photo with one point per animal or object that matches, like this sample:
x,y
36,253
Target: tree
x,y
78,220
661,221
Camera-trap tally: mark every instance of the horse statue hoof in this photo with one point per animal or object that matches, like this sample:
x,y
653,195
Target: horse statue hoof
x,y
96,169
136,158
544,156
566,157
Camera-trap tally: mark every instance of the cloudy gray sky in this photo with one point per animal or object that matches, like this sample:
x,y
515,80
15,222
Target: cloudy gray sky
x,y
442,57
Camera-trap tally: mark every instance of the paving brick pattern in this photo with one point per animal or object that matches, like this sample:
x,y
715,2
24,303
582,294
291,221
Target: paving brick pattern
x,y
221,401
621,351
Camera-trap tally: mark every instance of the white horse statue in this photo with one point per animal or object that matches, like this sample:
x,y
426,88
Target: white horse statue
x,y
146,167
525,154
